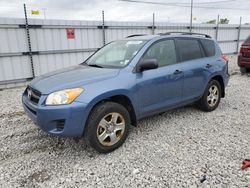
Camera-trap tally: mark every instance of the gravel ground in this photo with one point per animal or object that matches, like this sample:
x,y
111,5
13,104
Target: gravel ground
x,y
183,147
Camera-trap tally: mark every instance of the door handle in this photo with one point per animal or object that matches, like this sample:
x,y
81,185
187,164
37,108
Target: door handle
x,y
177,72
208,66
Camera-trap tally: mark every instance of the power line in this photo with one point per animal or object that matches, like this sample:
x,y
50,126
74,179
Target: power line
x,y
185,5
199,3
208,2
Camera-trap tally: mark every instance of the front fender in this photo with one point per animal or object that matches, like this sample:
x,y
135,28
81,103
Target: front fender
x,y
110,94
94,100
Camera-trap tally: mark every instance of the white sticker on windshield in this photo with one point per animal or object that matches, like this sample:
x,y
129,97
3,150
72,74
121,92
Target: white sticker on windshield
x,y
134,42
126,61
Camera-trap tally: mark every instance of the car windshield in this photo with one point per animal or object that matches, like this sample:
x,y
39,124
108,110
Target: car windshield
x,y
117,54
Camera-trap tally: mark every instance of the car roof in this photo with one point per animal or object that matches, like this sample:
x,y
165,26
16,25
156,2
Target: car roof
x,y
168,35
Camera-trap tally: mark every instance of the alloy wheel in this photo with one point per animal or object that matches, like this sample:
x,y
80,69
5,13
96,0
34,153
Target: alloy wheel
x,y
111,129
213,95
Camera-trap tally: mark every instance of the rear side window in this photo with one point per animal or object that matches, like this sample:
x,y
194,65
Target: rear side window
x,y
189,49
209,47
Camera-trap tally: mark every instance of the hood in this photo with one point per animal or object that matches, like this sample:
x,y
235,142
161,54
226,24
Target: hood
x,y
71,77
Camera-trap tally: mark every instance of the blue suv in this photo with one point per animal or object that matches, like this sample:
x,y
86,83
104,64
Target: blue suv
x,y
125,81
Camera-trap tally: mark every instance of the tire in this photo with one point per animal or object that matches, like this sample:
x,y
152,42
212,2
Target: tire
x,y
243,70
209,100
107,127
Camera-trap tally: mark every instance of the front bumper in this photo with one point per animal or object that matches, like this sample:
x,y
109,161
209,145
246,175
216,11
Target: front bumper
x,y
62,120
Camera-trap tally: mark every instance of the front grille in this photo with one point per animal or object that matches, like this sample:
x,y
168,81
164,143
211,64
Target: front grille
x,y
33,95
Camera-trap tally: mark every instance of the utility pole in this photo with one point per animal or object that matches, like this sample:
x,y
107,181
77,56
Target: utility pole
x,y
217,27
103,28
238,38
44,13
153,26
191,17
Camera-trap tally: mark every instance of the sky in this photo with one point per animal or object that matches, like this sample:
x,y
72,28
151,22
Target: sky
x,y
117,10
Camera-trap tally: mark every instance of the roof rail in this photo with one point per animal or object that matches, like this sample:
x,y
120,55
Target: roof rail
x,y
135,35
186,33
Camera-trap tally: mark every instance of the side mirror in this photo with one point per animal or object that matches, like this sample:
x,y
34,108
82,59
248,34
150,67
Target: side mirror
x,y
147,64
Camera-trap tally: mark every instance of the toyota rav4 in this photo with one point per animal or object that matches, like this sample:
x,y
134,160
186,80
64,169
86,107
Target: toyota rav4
x,y
125,81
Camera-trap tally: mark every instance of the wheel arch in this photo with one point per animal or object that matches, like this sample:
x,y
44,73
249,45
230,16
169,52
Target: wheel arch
x,y
219,78
121,99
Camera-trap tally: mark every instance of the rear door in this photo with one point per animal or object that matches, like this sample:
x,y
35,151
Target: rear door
x,y
195,67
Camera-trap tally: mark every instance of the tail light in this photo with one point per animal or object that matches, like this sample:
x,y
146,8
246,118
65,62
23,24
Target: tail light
x,y
225,58
244,48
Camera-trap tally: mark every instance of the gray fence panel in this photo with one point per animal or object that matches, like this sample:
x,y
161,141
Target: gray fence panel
x,y
244,32
51,62
52,49
13,68
119,30
13,39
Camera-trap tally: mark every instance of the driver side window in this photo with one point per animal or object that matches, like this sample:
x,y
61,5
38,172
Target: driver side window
x,y
163,51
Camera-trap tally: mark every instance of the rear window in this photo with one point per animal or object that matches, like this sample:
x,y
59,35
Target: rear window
x,y
209,47
189,49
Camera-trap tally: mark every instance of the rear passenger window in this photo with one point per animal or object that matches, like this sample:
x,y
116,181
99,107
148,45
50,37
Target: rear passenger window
x,y
209,47
163,52
189,49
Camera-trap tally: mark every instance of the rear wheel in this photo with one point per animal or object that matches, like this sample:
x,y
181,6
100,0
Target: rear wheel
x,y
211,97
107,127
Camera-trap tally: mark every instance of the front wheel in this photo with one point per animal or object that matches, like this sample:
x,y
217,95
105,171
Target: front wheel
x,y
211,97
107,127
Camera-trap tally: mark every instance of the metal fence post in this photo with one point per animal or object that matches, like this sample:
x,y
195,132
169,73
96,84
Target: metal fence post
x,y
238,37
191,17
217,27
28,40
103,28
153,26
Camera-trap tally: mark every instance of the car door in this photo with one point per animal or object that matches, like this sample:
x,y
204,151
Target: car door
x,y
194,66
161,88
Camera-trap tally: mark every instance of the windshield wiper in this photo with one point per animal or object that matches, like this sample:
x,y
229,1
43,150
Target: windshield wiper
x,y
95,65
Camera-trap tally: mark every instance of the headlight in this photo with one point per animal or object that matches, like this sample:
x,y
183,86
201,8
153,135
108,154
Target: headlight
x,y
66,96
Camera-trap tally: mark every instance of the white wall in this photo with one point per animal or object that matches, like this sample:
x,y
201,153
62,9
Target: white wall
x,y
56,51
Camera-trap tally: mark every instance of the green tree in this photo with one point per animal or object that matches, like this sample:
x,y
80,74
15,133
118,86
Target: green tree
x,y
224,21
211,21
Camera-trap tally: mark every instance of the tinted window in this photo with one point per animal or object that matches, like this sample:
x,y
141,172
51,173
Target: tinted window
x,y
163,52
209,47
188,49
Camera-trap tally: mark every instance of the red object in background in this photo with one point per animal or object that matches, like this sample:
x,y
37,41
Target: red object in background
x,y
70,33
245,164
244,55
